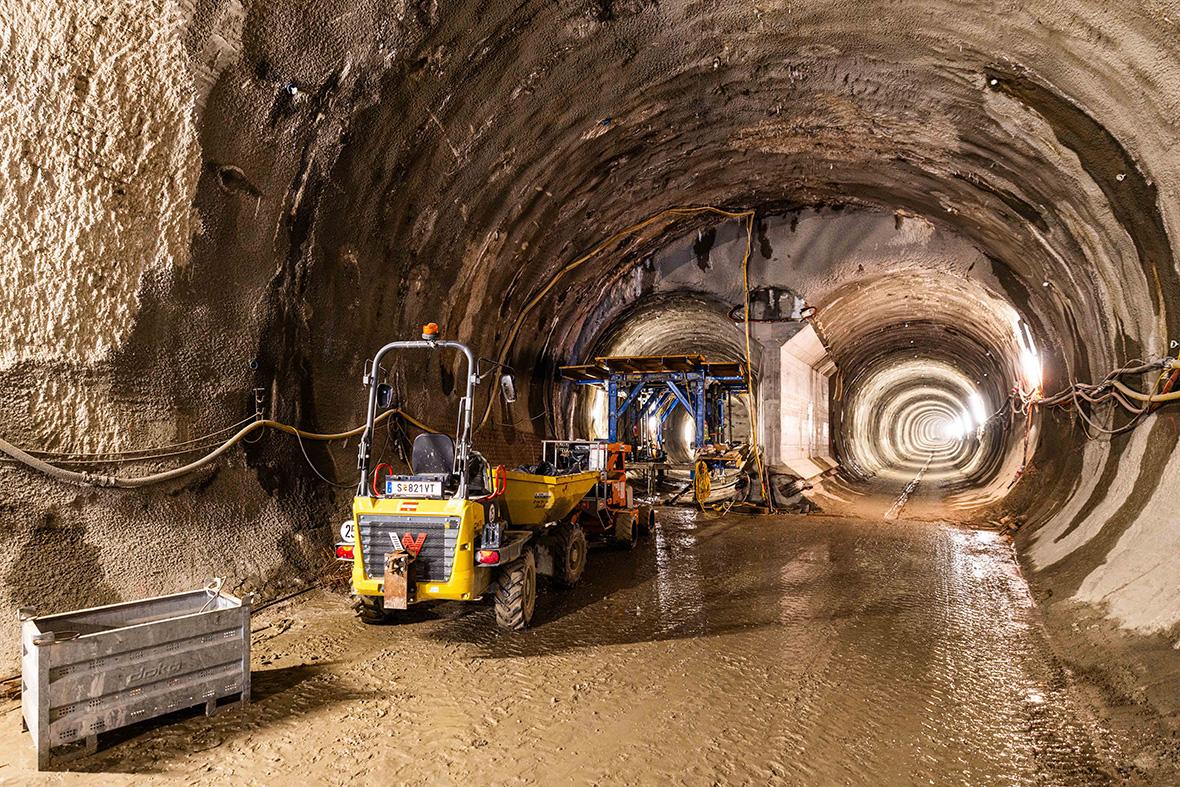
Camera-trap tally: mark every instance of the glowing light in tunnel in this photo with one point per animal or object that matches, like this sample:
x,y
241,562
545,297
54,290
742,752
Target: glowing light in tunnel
x,y
690,431
953,429
977,408
1030,359
599,418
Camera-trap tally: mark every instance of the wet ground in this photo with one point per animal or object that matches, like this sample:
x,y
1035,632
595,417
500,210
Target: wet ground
x,y
735,649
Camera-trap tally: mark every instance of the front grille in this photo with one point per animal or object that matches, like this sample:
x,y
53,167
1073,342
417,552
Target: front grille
x,y
383,534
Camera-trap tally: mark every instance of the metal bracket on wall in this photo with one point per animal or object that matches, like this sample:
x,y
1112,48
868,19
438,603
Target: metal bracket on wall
x,y
259,404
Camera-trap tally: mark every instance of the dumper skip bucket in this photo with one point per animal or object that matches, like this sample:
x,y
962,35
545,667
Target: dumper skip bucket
x,y
537,499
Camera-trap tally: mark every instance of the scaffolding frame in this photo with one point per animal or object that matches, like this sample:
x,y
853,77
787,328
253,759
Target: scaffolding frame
x,y
641,386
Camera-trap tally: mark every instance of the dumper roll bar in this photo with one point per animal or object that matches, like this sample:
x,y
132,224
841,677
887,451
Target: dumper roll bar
x,y
463,438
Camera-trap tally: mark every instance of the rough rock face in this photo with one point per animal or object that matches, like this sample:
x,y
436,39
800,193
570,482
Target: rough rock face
x,y
208,198
100,161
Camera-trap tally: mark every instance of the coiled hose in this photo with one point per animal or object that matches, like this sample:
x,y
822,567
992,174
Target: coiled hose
x,y
137,482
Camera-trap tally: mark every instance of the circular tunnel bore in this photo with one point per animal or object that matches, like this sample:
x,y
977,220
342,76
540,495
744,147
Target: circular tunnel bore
x,y
925,347
984,203
928,366
674,323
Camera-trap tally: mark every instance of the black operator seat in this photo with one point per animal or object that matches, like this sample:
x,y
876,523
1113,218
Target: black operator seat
x,y
434,454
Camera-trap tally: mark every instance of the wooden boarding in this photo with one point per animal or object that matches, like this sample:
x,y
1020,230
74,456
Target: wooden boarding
x,y
725,369
400,581
651,363
582,373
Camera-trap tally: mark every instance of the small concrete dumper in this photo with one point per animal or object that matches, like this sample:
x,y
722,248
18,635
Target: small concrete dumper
x,y
457,528
608,512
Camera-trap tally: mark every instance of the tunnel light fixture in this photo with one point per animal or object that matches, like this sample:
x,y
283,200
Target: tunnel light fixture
x,y
599,415
1030,365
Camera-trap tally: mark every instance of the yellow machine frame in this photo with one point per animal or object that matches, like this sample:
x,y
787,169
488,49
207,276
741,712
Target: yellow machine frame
x,y
467,581
531,502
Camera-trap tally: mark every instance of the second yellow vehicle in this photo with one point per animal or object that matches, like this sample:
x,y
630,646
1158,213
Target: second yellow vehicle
x,y
457,528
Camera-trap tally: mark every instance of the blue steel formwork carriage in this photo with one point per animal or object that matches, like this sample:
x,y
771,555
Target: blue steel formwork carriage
x,y
639,387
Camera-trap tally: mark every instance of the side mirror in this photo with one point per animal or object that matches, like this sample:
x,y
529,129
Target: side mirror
x,y
384,395
508,388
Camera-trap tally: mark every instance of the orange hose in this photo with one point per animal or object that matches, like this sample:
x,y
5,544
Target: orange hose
x,y
499,483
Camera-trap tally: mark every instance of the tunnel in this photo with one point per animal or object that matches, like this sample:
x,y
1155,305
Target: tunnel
x,y
923,228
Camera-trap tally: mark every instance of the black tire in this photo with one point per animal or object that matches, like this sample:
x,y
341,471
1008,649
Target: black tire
x,y
516,593
570,551
626,532
647,521
371,610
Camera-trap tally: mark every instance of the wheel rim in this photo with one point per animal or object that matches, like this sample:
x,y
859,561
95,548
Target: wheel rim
x,y
529,596
577,556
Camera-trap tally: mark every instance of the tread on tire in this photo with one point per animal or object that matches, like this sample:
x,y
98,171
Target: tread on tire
x,y
516,593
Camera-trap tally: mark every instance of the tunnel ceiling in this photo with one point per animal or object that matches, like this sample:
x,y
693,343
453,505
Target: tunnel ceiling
x,y
395,165
516,137
364,168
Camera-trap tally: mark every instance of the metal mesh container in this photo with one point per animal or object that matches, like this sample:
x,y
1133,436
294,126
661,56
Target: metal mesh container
x,y
95,670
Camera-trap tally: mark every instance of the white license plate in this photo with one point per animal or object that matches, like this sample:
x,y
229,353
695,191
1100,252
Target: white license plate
x,y
395,488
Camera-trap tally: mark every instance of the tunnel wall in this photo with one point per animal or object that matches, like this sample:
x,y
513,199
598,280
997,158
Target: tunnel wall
x,y
209,198
803,407
102,156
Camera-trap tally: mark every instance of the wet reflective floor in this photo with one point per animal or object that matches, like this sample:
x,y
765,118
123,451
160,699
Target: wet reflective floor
x,y
735,650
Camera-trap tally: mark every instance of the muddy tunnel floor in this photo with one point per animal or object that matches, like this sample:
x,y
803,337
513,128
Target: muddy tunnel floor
x,y
731,649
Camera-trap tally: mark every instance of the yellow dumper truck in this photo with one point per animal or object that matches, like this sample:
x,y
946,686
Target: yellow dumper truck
x,y
457,528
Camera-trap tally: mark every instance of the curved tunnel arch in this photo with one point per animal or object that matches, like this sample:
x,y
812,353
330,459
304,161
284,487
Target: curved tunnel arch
x,y
615,167
974,196
953,174
680,322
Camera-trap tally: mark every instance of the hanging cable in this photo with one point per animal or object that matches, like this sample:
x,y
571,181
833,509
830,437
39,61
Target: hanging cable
x,y
674,213
753,402
1111,390
133,454
136,482
314,469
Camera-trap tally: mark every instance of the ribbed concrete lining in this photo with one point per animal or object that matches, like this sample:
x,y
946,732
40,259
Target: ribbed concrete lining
x,y
917,414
